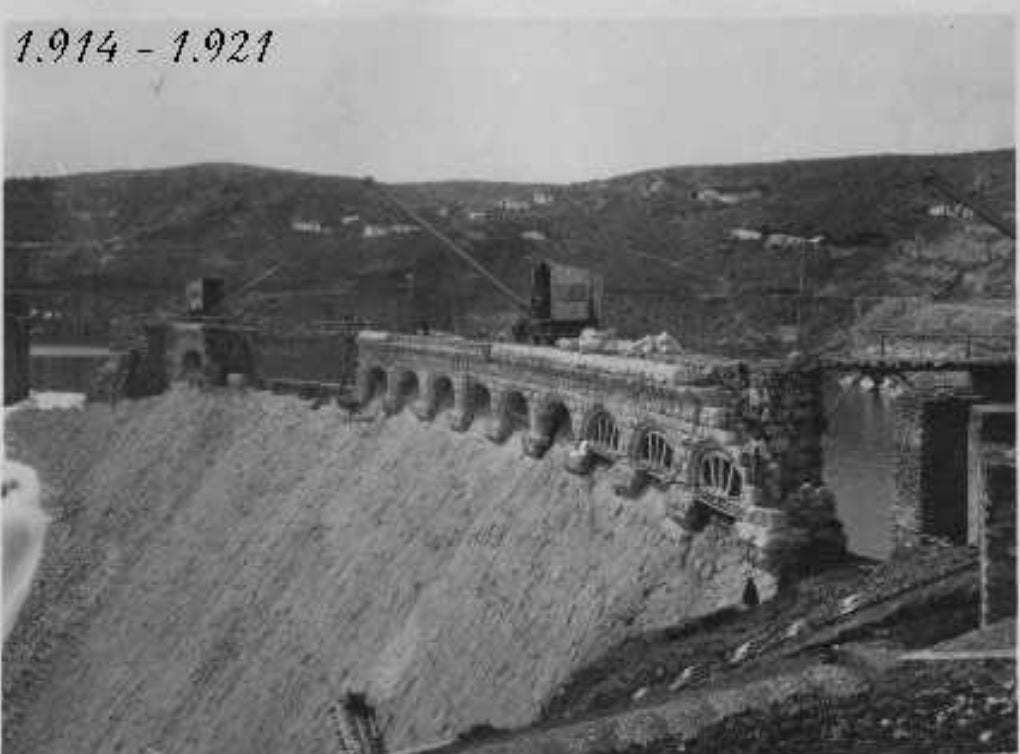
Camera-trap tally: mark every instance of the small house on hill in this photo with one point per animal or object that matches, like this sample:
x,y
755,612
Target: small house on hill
x,y
307,226
513,205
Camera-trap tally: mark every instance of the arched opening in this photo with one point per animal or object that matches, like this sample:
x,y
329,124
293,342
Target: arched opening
x,y
479,401
191,367
375,384
655,453
601,431
555,421
442,392
718,478
750,598
407,388
516,410
191,361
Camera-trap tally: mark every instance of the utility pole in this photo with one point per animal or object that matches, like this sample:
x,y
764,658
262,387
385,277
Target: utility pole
x,y
800,299
411,311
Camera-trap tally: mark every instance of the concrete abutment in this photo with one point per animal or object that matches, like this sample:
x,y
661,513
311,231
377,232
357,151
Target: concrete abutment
x,y
937,466
991,505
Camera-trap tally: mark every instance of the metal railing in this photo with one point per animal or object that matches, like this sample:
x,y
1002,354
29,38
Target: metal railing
x,y
966,345
655,454
727,506
603,433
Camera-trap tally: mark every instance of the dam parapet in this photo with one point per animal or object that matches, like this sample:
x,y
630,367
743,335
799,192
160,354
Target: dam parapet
x,y
728,440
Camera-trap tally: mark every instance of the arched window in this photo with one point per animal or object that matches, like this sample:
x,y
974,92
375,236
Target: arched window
x,y
375,383
602,432
516,411
655,453
192,369
554,421
718,477
191,362
408,387
480,400
443,395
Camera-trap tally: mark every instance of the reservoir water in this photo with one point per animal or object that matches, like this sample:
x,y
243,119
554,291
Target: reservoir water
x,y
64,367
861,446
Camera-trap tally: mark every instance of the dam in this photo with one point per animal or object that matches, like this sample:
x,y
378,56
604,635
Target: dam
x,y
442,552
257,556
721,437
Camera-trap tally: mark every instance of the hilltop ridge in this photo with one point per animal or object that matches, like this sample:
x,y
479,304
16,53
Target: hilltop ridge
x,y
686,249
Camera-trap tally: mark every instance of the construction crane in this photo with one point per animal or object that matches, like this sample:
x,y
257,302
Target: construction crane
x,y
564,300
940,184
449,243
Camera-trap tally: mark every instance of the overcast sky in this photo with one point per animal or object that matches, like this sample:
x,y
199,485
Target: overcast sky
x,y
436,97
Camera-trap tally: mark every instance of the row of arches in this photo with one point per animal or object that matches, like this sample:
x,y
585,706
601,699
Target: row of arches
x,y
409,390
714,473
478,402
440,394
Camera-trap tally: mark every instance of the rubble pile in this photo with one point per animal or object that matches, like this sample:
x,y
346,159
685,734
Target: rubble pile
x,y
928,708
607,342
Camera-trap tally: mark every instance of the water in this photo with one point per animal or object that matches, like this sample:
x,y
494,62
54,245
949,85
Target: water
x,y
64,367
68,350
860,462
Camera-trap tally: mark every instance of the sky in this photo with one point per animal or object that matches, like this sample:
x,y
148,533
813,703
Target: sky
x,y
406,95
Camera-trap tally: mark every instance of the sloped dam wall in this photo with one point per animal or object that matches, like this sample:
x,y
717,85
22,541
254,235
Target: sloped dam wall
x,y
222,565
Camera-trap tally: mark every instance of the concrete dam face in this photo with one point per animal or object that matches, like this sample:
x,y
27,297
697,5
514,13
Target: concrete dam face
x,y
258,558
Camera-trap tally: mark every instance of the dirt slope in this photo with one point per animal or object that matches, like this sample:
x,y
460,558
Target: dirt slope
x,y
222,565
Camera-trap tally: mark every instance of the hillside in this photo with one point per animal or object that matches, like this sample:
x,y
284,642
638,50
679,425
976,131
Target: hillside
x,y
683,248
221,566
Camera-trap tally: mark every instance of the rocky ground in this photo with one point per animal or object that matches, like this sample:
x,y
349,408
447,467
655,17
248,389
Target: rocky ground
x,y
866,657
923,707
912,601
693,687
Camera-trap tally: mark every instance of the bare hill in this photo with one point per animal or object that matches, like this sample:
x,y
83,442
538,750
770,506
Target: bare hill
x,y
683,248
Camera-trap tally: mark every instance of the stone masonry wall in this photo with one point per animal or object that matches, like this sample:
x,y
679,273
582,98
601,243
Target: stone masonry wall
x,y
934,462
998,545
932,465
906,509
992,505
736,440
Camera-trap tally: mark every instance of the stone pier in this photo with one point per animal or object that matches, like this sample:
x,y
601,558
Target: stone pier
x,y
992,505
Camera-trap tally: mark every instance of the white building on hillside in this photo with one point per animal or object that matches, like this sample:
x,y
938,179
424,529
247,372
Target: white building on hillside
x,y
508,204
745,234
307,226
